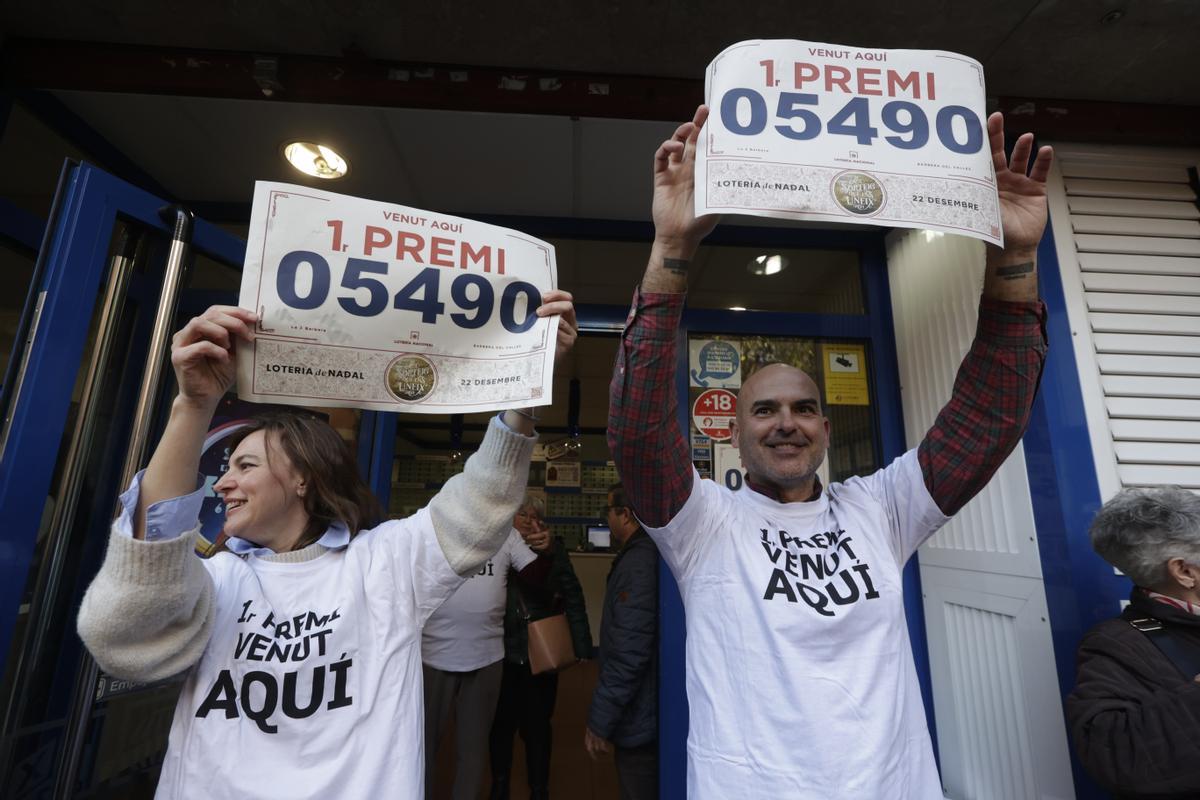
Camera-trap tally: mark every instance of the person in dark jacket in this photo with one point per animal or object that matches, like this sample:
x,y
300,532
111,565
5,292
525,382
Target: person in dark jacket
x,y
1135,711
527,700
624,713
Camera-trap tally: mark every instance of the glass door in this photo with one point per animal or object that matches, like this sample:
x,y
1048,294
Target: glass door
x,y
80,361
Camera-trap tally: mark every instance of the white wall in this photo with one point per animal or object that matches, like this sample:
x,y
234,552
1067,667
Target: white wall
x,y
996,698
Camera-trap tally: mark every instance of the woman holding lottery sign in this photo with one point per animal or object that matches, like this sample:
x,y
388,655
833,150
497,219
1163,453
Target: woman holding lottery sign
x,y
300,644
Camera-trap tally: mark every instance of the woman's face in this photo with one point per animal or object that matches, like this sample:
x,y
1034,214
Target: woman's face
x,y
264,498
527,522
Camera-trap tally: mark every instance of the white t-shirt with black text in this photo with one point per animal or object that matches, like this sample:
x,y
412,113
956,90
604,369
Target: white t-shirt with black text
x,y
311,659
467,631
800,677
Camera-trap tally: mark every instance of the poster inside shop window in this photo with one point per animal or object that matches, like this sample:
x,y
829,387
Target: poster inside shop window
x,y
832,133
840,369
714,363
564,473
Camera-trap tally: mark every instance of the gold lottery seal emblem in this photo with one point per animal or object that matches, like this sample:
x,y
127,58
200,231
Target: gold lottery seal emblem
x,y
858,193
411,378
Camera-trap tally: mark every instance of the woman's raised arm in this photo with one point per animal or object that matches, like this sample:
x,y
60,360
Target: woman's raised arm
x,y
202,354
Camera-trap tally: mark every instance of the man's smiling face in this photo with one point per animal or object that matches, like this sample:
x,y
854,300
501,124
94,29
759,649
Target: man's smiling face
x,y
780,430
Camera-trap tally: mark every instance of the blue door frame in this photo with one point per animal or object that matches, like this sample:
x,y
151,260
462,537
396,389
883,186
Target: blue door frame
x,y
76,262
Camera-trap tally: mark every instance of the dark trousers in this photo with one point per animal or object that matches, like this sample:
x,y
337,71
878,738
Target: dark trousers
x,y
526,704
637,771
471,697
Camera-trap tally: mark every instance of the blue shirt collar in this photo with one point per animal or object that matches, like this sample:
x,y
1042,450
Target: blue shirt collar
x,y
336,537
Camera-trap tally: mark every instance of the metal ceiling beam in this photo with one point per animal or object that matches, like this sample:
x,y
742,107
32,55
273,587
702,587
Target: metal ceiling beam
x,y
101,67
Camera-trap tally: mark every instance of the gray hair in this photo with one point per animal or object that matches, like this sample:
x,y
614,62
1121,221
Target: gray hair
x,y
1139,530
535,502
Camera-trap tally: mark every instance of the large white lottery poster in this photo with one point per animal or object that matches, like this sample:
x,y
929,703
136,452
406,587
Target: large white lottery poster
x,y
810,131
378,306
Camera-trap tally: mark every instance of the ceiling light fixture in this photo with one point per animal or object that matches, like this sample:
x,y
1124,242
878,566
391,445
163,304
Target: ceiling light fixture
x,y
767,265
316,160
737,308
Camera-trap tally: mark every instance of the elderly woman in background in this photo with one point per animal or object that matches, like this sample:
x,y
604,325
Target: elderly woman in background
x,y
527,700
1135,710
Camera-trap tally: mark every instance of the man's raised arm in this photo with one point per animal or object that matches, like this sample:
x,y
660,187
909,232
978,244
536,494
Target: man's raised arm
x,y
995,386
650,451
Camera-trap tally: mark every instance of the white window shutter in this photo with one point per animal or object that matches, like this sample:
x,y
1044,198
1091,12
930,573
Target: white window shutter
x,y
1127,229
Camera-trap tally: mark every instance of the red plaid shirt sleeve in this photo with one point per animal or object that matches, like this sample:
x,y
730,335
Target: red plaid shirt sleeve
x,y
650,451
990,405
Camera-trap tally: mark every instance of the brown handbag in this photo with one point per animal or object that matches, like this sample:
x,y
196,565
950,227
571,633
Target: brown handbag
x,y
550,645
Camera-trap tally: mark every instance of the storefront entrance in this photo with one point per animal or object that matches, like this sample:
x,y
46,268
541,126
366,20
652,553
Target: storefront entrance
x,y
84,377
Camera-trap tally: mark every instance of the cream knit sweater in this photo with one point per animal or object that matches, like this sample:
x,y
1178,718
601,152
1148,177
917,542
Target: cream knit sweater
x,y
148,613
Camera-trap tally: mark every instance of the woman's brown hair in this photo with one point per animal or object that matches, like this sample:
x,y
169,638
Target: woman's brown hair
x,y
335,490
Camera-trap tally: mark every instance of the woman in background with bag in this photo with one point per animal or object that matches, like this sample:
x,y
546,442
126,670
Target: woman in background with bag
x,y
527,699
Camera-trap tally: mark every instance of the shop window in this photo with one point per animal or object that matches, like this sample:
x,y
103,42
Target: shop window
x,y
722,276
572,467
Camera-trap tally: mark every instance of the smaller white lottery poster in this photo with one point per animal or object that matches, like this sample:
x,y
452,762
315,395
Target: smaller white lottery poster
x,y
831,133
729,472
563,473
727,466
378,306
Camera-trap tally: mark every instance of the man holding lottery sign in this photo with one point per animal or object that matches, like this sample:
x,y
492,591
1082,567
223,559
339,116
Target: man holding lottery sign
x,y
800,677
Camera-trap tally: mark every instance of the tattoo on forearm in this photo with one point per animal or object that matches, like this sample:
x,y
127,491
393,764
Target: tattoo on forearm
x,y
1015,272
677,265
